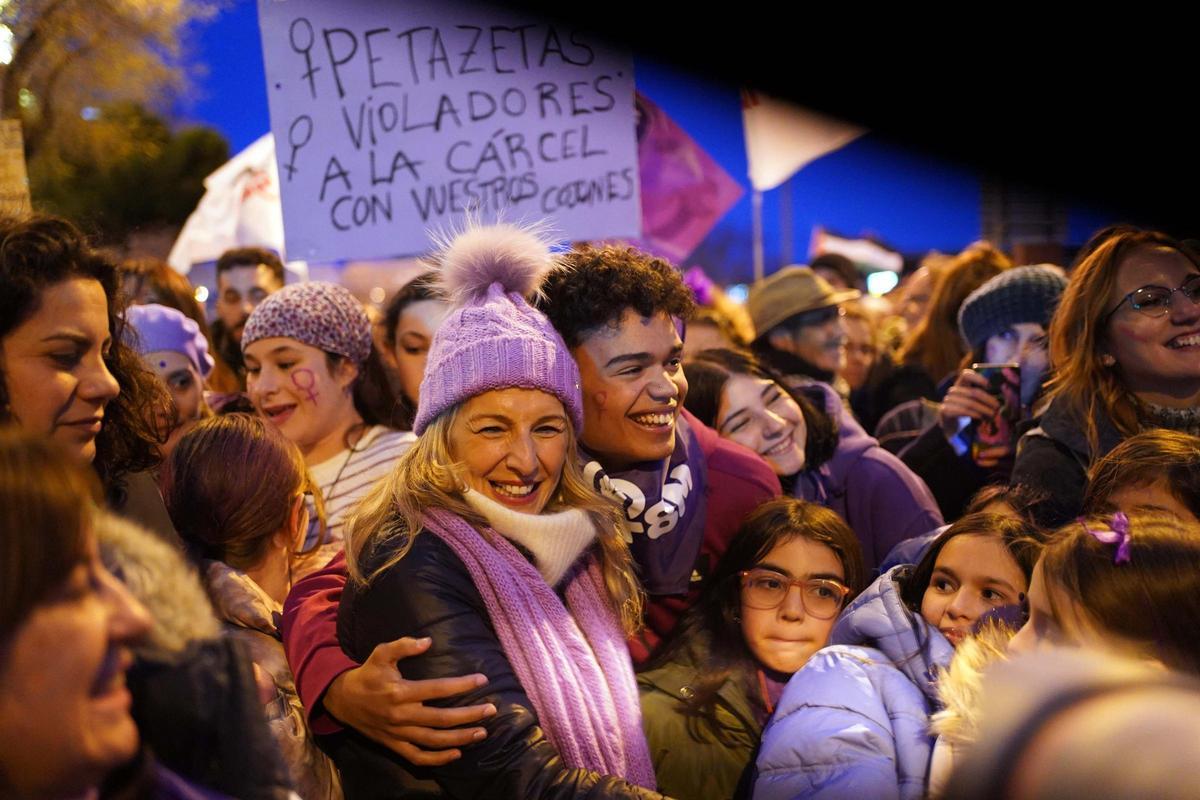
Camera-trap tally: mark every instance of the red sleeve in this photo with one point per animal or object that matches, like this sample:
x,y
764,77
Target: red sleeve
x,y
738,480
309,630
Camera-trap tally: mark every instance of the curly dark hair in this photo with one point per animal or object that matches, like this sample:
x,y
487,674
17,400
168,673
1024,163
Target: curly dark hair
x,y
40,252
597,284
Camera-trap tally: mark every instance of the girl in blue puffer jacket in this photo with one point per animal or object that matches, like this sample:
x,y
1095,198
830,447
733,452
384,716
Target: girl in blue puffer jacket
x,y
854,722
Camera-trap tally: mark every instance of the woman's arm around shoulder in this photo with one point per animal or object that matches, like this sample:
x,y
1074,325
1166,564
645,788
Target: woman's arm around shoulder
x,y
429,593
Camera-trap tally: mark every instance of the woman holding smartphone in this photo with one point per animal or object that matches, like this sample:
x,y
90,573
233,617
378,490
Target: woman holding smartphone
x,y
1004,321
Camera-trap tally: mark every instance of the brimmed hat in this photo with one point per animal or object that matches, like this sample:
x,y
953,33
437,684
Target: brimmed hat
x,y
493,339
1022,294
791,291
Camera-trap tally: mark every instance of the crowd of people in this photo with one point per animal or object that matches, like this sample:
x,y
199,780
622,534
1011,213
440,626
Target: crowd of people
x,y
566,522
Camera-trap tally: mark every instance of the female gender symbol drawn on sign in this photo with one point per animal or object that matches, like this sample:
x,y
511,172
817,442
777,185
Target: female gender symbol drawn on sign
x,y
308,385
297,131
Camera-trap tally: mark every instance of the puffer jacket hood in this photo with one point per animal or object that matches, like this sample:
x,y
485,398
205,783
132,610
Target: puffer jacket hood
x,y
880,498
878,618
854,721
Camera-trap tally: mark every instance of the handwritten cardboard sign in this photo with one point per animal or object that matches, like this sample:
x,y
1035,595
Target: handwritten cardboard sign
x,y
392,119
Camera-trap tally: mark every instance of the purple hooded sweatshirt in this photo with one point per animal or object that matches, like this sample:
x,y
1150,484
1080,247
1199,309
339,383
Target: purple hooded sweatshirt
x,y
881,499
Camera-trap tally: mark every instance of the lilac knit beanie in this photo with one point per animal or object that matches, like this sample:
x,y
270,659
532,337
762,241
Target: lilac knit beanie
x,y
162,328
493,339
322,315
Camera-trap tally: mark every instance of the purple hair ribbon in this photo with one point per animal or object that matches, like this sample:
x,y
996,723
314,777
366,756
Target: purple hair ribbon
x,y
1119,535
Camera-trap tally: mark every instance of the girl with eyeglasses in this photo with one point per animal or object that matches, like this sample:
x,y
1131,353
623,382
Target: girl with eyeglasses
x,y
769,605
1125,355
854,721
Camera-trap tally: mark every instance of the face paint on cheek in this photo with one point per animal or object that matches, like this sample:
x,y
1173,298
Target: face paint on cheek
x,y
306,381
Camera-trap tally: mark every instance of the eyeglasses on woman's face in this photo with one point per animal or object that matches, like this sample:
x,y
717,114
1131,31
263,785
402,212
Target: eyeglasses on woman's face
x,y
1155,301
767,589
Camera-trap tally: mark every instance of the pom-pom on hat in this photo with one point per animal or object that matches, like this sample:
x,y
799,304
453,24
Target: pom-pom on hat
x,y
1022,294
493,339
319,314
162,328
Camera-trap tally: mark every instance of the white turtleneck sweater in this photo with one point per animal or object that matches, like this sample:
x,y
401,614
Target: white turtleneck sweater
x,y
555,540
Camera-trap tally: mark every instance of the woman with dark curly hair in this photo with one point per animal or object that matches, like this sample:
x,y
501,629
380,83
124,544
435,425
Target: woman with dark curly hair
x,y
65,370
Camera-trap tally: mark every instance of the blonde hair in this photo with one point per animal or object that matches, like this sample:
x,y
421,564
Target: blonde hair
x,y
1079,380
428,476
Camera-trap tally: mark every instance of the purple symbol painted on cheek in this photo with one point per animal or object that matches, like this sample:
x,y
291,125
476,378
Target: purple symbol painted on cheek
x,y
306,381
162,364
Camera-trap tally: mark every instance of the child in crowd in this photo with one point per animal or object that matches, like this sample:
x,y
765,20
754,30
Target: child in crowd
x,y
818,451
1087,591
172,346
1127,582
707,693
1159,468
245,536
854,721
313,373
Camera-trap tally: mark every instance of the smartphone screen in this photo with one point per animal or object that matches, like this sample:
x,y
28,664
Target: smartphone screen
x,y
1004,383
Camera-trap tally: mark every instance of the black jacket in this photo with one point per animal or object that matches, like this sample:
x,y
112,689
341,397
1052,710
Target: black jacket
x,y
1055,457
430,593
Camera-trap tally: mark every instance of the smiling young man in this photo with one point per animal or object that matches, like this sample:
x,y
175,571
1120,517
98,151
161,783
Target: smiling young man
x,y
685,492
685,489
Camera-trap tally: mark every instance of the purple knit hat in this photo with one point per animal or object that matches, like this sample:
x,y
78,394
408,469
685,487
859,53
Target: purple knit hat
x,y
162,328
493,339
322,315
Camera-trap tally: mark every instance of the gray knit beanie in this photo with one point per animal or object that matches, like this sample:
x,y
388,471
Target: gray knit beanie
x,y
1022,294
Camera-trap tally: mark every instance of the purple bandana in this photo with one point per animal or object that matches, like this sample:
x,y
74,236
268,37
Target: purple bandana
x,y
665,508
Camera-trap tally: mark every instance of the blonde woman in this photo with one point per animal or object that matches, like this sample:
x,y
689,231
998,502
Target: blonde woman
x,y
487,539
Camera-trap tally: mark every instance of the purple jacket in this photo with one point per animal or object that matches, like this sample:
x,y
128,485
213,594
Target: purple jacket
x,y
881,499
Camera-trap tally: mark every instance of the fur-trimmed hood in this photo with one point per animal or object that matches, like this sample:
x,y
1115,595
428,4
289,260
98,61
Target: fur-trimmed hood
x,y
959,686
160,578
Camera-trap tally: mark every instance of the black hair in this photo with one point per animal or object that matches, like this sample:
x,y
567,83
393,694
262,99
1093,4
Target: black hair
x,y
709,370
1021,539
596,285
422,287
251,257
43,251
709,635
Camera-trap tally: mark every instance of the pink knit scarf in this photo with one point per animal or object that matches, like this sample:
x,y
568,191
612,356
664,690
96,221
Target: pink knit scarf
x,y
574,665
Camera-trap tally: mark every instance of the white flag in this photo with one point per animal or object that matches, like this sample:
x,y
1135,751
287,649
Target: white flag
x,y
240,208
781,138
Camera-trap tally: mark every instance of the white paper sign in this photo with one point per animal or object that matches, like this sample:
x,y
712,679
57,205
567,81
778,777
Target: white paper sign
x,y
393,118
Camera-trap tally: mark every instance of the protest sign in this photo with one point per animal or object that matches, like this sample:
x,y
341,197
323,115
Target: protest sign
x,y
395,119
14,181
